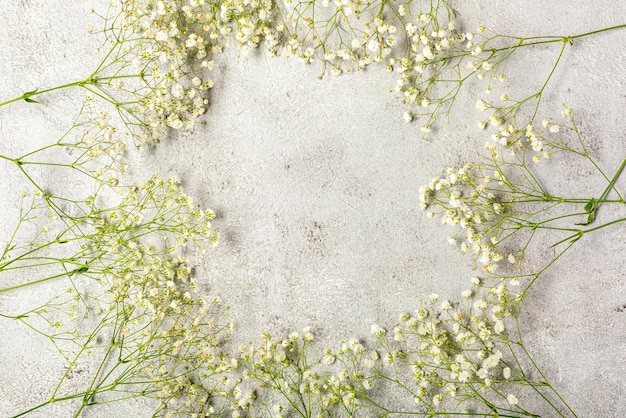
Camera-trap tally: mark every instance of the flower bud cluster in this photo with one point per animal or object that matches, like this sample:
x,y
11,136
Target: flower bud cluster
x,y
290,376
454,349
431,45
469,199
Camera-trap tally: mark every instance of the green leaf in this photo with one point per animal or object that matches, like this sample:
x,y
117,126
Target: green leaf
x,y
80,270
590,208
27,95
590,218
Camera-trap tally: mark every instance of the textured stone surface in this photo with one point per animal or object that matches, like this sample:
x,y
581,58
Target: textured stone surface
x,y
315,186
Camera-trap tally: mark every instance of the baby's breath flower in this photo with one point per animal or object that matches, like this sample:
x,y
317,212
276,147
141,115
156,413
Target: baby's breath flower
x,y
378,331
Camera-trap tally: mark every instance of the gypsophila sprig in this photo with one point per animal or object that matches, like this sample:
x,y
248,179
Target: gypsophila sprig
x,y
290,377
490,58
500,204
131,301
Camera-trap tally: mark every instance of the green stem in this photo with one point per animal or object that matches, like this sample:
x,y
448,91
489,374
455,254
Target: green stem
x,y
539,94
582,35
543,376
542,40
45,279
27,96
540,272
612,183
580,232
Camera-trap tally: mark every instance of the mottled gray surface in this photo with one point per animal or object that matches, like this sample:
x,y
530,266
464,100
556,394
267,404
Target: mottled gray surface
x,y
315,186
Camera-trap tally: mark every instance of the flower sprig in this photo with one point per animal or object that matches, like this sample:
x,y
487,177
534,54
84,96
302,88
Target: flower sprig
x,y
289,375
489,61
500,204
125,296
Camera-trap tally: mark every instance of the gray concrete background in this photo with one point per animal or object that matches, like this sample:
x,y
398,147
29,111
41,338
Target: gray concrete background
x,y
315,184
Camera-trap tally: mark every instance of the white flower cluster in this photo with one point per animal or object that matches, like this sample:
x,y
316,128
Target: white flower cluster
x,y
167,47
291,377
159,206
491,200
455,350
168,330
132,300
430,46
469,198
341,34
541,142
